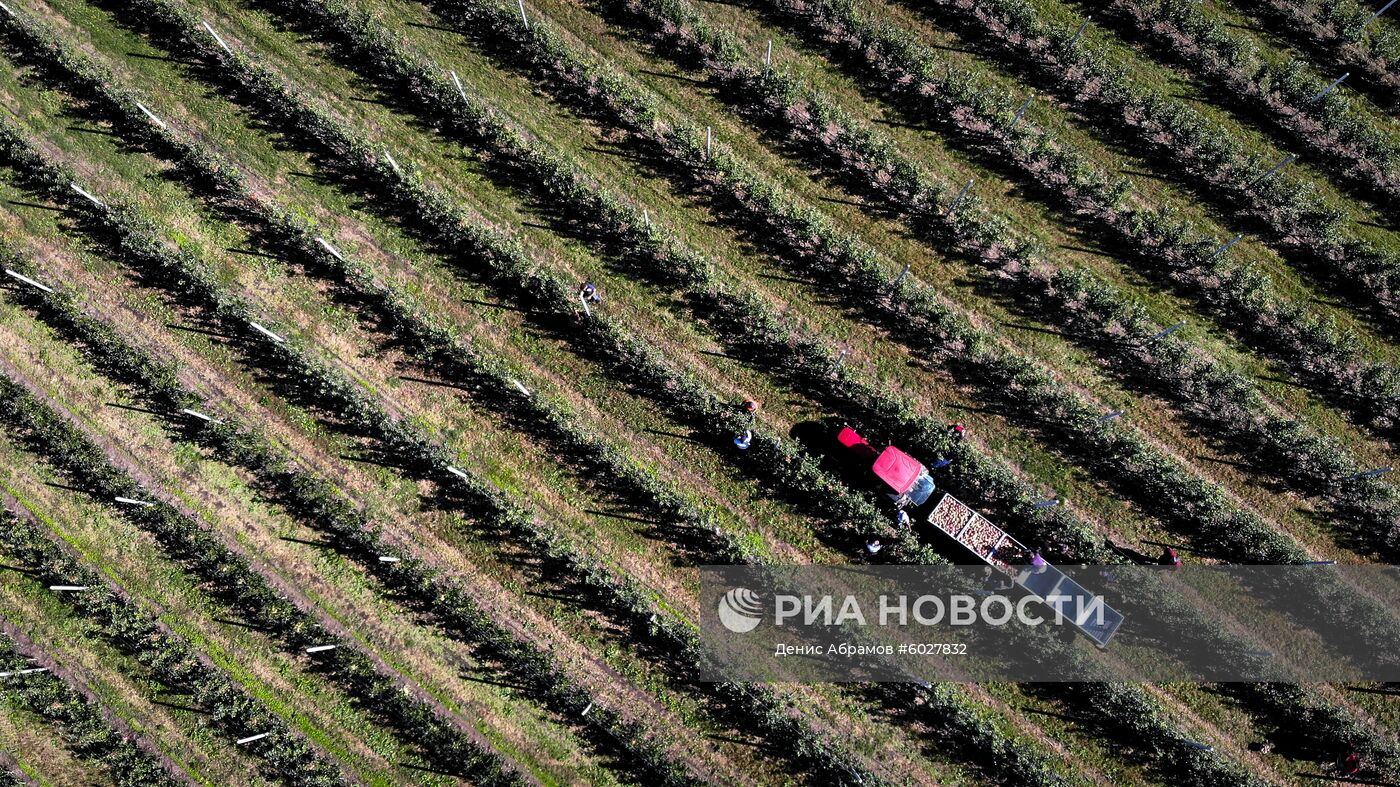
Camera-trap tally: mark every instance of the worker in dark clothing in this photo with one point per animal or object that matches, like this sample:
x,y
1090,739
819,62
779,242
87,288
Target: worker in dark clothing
x,y
957,432
1350,763
994,581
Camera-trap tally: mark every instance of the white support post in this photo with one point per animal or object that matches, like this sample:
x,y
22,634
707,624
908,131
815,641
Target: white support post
x,y
646,217
331,250
217,38
1111,416
201,416
85,193
586,710
148,113
457,472
397,169
461,91
1224,247
1373,17
1080,33
1370,473
1025,105
68,588
252,738
768,58
519,386
524,19
898,280
709,140
1329,88
264,331
1289,159
26,280
320,648
1165,332
131,501
17,672
583,299
6,9
958,199
388,559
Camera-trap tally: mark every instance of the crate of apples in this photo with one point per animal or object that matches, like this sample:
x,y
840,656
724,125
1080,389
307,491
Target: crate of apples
x,y
981,536
950,516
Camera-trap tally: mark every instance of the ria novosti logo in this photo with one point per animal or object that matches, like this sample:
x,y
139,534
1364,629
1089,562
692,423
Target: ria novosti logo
x,y
741,610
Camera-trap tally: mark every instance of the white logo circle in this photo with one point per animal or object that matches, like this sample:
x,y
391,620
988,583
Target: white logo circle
x,y
740,610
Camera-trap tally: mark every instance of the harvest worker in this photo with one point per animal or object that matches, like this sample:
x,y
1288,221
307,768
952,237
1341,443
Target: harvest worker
x,y
750,407
902,519
994,581
957,432
743,440
1350,764
589,293
1038,562
873,547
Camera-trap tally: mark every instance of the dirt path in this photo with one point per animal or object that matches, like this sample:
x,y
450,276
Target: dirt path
x,y
11,767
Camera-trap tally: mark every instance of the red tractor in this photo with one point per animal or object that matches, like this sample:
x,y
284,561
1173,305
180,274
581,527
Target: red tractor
x,y
905,479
